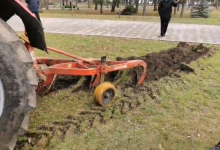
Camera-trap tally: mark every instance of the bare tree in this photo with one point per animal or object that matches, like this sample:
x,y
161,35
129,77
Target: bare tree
x,y
47,5
76,3
155,5
126,2
41,4
137,4
88,3
113,5
190,3
44,3
117,3
174,11
101,4
107,3
96,4
144,8
183,7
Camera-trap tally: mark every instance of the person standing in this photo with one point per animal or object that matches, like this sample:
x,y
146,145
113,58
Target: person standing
x,y
165,12
33,6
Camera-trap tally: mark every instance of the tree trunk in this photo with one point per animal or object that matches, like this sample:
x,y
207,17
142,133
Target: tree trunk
x,y
101,8
76,3
88,3
126,3
47,5
155,5
141,2
178,7
182,9
96,6
193,3
191,11
118,4
174,11
144,8
44,3
113,6
137,4
41,5
130,2
190,3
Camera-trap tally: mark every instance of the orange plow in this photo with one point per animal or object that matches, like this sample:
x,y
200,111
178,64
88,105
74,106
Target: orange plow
x,y
105,93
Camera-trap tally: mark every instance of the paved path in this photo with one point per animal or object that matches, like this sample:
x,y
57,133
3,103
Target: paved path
x,y
130,29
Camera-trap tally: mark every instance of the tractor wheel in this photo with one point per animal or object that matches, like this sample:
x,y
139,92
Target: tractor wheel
x,y
18,82
105,94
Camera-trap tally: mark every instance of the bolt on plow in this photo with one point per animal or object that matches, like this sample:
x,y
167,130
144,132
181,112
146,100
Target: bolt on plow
x,y
48,69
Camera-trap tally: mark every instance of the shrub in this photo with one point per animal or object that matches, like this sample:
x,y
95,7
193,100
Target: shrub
x,y
129,10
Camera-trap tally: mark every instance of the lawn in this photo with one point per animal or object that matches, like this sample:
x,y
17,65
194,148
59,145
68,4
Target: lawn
x,y
183,116
152,16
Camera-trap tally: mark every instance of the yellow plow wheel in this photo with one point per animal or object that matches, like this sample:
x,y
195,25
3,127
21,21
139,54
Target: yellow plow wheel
x,y
105,94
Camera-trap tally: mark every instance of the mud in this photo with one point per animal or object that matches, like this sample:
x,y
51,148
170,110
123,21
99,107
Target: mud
x,y
160,64
168,61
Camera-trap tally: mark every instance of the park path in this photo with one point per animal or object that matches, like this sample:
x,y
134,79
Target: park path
x,y
209,34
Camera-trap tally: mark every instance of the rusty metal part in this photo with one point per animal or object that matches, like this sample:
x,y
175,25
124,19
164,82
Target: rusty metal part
x,y
79,67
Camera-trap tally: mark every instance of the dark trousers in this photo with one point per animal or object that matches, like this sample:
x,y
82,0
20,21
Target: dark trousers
x,y
164,24
38,16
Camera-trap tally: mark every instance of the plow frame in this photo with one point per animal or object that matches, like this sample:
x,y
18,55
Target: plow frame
x,y
47,69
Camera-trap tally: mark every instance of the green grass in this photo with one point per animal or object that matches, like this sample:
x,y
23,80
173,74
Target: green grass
x,y
152,16
96,47
184,115
87,47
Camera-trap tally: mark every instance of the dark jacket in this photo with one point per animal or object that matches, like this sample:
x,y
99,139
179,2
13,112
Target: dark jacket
x,y
165,8
33,5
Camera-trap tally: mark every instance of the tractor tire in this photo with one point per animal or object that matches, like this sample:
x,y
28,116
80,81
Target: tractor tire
x,y
18,82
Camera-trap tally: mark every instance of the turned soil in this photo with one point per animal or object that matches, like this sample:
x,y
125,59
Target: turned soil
x,y
160,64
168,61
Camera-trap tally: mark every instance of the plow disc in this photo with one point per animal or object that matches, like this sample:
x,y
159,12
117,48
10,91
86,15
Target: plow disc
x,y
48,69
